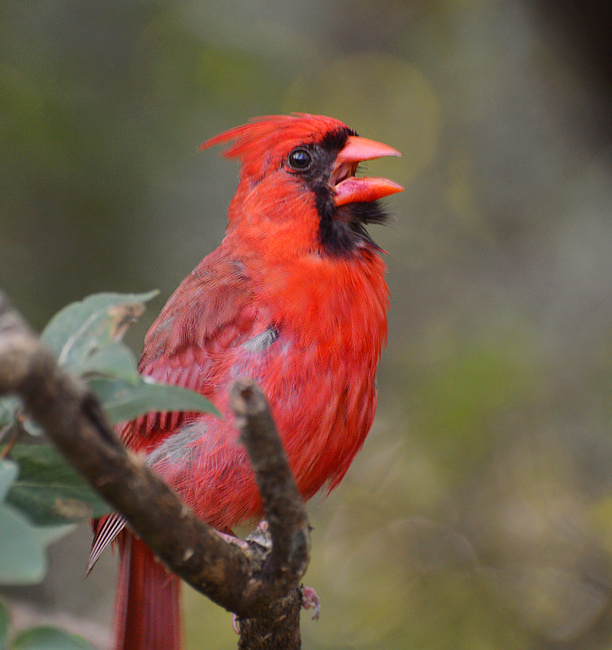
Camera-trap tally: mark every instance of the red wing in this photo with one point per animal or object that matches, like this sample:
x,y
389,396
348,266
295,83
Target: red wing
x,y
210,313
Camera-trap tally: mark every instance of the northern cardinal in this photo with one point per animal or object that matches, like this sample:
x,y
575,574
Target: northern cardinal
x,y
294,298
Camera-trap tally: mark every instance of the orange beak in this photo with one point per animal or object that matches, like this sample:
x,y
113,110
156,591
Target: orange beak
x,y
348,188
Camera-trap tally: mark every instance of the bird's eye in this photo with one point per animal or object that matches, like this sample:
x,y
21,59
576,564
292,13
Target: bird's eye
x,y
300,160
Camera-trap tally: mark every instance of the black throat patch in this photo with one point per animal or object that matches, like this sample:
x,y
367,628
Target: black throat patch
x,y
342,230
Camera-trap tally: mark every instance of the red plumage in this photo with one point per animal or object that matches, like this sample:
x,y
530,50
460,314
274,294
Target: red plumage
x,y
294,298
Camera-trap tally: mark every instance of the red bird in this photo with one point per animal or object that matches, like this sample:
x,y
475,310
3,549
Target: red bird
x,y
294,298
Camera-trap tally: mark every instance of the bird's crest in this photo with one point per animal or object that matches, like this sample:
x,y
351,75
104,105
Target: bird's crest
x,y
255,143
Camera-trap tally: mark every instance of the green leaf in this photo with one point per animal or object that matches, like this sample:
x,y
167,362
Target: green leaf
x,y
4,625
8,406
23,556
49,638
8,474
123,401
115,360
49,491
23,559
83,328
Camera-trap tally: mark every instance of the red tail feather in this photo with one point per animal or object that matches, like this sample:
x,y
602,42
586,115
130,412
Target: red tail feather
x,y
148,607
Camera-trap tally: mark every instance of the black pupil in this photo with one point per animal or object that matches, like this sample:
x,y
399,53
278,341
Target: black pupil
x,y
300,159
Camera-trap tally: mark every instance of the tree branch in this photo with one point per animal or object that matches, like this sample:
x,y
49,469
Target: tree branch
x,y
263,587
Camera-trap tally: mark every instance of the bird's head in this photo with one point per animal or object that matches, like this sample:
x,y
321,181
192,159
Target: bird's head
x,y
298,183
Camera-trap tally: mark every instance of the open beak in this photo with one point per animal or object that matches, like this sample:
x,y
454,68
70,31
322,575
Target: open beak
x,y
348,188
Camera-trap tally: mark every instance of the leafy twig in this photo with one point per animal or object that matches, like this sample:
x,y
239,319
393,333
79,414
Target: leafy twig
x,y
264,595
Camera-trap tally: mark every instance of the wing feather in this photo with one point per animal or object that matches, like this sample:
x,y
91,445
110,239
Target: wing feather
x,y
205,320
210,314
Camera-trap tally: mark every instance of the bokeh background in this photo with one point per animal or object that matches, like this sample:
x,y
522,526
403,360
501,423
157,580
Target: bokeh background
x,y
479,513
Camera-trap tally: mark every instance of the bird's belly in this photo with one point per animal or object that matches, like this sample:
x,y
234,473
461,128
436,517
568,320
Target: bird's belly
x,y
323,405
323,402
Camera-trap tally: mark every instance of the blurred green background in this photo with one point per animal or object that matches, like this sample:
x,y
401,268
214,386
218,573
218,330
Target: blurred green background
x,y
479,513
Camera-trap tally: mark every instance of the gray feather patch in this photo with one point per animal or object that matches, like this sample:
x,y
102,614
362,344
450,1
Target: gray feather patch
x,y
177,449
262,341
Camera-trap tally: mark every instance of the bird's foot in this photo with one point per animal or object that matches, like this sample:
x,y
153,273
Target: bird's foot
x,y
310,600
261,536
232,539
